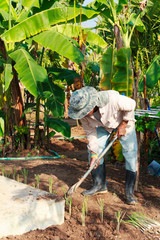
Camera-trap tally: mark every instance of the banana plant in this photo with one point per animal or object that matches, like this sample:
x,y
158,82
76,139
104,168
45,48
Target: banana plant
x,y
117,73
24,27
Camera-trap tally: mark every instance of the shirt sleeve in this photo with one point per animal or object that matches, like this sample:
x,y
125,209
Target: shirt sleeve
x,y
127,106
91,134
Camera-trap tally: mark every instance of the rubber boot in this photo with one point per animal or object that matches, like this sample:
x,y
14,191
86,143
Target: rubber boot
x,y
99,181
129,186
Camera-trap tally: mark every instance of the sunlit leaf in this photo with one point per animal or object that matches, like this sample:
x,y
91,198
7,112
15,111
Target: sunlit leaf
x,y
30,73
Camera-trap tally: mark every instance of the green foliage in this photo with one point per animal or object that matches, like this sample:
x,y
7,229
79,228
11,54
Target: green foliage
x,y
108,68
63,74
20,131
43,21
116,70
63,46
59,126
144,122
91,75
54,97
1,123
30,73
123,79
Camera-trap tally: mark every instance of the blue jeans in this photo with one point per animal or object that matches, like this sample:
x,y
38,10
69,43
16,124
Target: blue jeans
x,y
129,147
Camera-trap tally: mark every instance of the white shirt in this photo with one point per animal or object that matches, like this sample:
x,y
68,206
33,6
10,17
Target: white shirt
x,y
118,108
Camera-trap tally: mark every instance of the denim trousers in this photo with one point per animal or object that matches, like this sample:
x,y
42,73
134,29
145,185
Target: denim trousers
x,y
128,143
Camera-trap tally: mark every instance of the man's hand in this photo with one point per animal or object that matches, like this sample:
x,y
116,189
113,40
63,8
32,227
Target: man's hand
x,y
93,158
121,131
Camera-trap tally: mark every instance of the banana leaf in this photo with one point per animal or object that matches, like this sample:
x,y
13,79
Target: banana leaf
x,y
54,97
123,79
43,21
1,124
30,73
71,31
63,74
8,75
153,72
107,68
138,23
4,5
30,3
59,126
59,43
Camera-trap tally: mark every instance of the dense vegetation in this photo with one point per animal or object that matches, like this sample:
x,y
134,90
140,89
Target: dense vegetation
x,y
45,53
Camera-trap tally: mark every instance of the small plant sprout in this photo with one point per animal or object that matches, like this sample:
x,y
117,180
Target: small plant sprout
x,y
86,204
65,193
14,173
17,177
101,206
37,179
70,205
83,213
25,175
3,169
7,174
119,218
142,222
34,185
50,185
55,192
68,201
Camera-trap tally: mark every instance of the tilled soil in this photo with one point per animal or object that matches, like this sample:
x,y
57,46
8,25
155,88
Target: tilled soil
x,y
66,171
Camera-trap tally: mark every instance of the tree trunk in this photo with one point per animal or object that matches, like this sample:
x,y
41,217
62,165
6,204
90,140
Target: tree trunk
x,y
17,100
118,37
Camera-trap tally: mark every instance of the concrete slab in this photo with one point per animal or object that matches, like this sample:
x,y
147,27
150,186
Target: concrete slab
x,y
24,208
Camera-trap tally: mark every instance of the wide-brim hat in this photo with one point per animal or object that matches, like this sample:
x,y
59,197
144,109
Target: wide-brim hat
x,y
84,100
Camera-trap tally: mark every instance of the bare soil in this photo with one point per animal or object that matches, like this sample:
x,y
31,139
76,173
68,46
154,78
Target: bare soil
x,y
66,171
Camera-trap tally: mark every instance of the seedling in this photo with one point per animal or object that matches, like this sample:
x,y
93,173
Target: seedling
x,y
7,174
70,205
50,184
119,217
3,169
37,179
25,175
86,204
17,177
68,201
83,213
14,173
101,206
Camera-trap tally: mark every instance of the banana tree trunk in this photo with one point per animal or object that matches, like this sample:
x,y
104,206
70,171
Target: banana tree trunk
x,y
118,37
17,100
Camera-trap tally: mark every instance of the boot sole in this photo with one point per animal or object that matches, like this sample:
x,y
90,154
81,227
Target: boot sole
x,y
99,192
105,191
132,203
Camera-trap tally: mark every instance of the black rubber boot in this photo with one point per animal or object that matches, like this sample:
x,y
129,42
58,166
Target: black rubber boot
x,y
99,181
130,183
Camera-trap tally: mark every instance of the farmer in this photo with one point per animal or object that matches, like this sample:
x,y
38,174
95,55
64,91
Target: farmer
x,y
99,113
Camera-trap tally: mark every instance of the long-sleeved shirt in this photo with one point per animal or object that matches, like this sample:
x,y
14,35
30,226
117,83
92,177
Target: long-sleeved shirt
x,y
118,108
